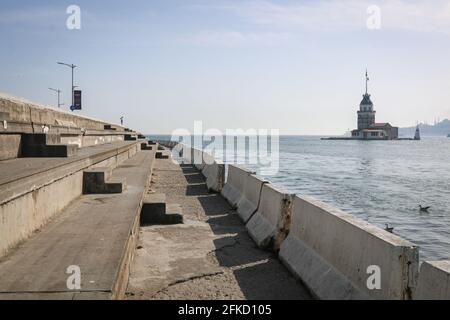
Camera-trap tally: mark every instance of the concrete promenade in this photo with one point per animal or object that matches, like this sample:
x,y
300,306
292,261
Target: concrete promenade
x,y
210,256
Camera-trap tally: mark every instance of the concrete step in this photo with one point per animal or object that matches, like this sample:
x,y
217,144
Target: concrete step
x,y
129,137
146,146
162,155
155,211
98,181
46,145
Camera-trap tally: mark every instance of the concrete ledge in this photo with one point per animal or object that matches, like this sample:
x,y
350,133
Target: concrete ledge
x,y
331,252
251,195
434,281
234,187
269,226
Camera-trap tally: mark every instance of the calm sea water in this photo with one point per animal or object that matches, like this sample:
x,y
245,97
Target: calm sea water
x,y
380,182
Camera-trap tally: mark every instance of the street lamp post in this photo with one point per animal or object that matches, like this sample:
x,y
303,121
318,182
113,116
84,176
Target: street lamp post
x,y
59,93
72,66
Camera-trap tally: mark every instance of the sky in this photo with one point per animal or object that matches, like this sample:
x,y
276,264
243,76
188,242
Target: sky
x,y
297,66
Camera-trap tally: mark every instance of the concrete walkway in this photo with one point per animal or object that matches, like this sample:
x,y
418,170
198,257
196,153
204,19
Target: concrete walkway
x,y
210,256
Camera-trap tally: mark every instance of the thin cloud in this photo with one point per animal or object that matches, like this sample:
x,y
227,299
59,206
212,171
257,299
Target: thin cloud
x,y
425,16
33,16
231,39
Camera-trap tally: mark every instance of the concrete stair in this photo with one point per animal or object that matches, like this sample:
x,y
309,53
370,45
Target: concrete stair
x,y
155,211
129,137
146,146
162,153
98,181
46,145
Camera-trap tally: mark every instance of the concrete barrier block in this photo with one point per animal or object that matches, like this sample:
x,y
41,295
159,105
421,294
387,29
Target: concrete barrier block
x,y
215,176
434,281
198,159
234,187
335,254
249,201
269,226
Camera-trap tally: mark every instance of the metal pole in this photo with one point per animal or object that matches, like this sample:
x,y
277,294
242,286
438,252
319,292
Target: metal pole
x,y
72,85
72,66
58,91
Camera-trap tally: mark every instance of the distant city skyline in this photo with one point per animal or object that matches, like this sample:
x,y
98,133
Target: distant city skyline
x,y
297,66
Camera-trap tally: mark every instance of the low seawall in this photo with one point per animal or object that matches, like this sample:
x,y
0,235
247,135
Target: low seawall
x,y
337,255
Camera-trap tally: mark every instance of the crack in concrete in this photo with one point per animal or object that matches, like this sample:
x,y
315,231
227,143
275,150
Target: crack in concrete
x,y
235,242
174,283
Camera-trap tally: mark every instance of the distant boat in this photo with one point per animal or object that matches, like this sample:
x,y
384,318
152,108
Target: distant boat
x,y
417,134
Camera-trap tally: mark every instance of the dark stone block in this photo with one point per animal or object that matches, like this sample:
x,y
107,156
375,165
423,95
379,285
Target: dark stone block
x,y
160,155
96,181
129,137
154,211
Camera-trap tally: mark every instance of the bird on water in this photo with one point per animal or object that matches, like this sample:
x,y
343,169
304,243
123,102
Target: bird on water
x,y
423,209
389,229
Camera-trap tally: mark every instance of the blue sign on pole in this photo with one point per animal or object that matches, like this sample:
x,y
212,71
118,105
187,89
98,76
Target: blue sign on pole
x,y
76,100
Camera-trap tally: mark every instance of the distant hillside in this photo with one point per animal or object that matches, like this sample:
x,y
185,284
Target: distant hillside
x,y
440,129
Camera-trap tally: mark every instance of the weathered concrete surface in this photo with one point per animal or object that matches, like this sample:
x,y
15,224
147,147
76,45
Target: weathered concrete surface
x,y
251,195
214,173
234,187
210,256
19,116
20,109
331,251
434,281
95,232
32,190
269,226
9,146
